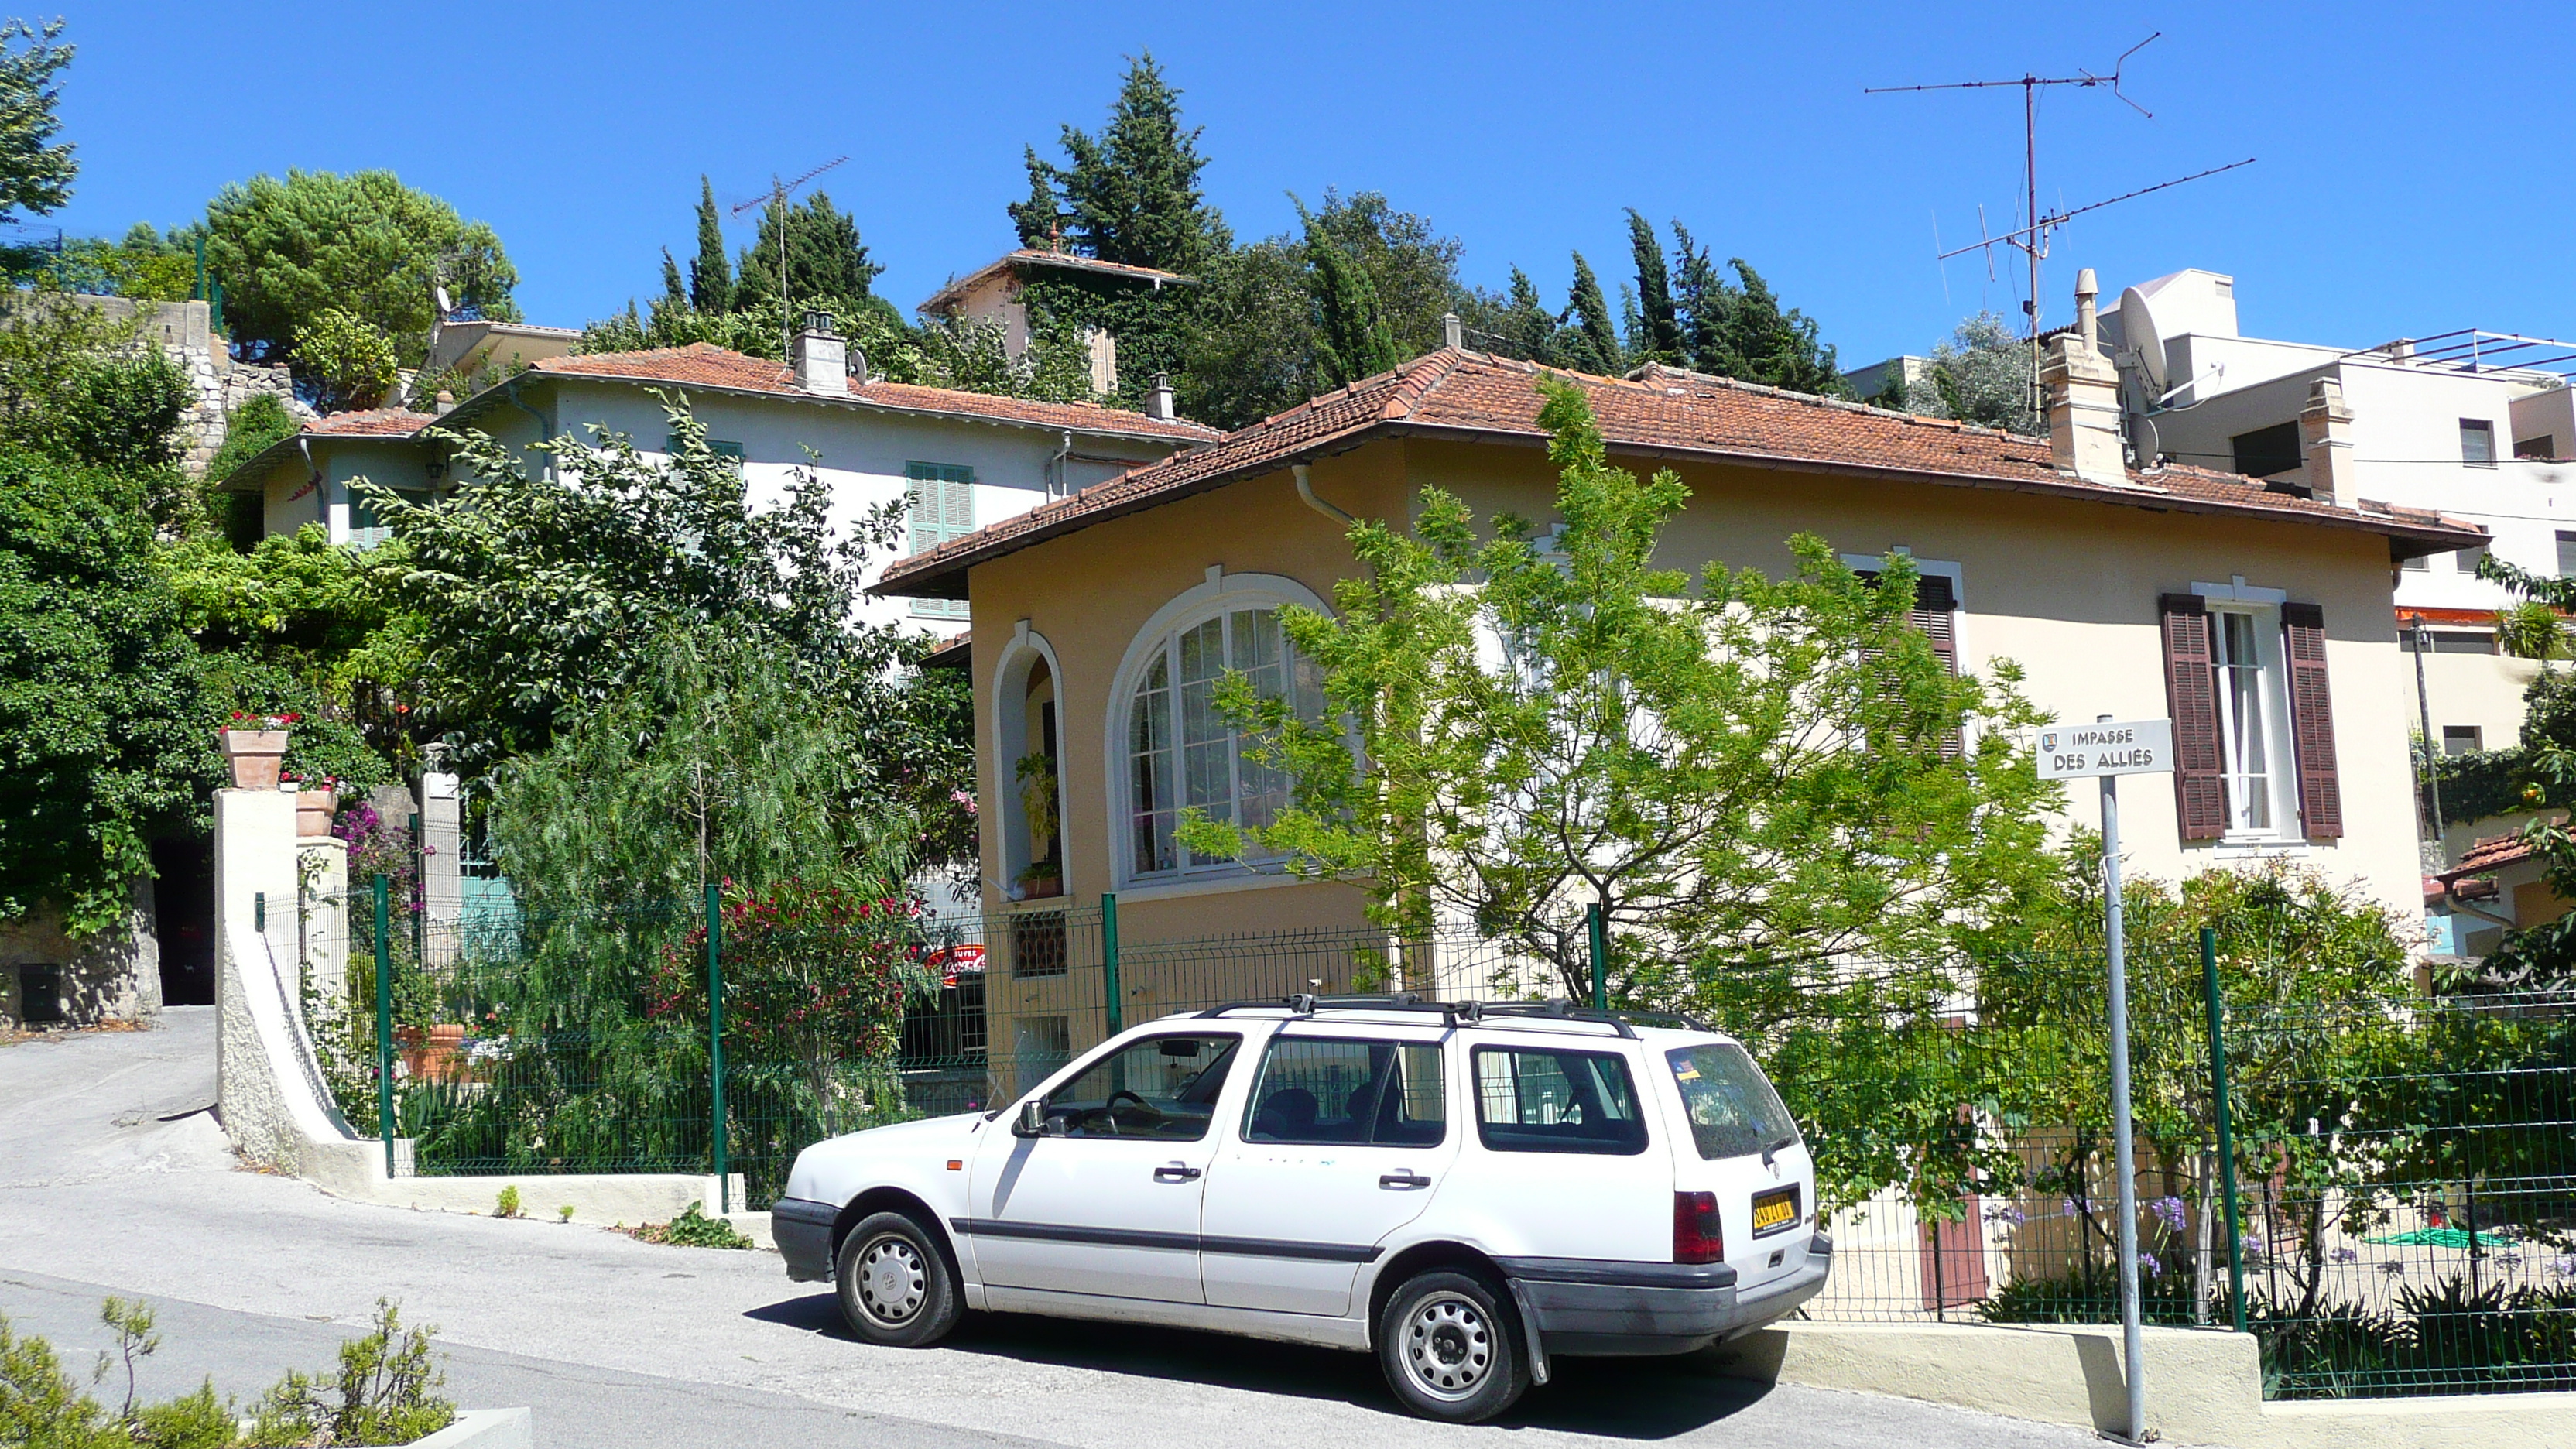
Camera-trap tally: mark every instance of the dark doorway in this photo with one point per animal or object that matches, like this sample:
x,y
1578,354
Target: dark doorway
x,y
184,901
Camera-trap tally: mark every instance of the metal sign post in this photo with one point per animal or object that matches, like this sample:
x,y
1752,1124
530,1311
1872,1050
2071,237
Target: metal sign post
x,y
2108,749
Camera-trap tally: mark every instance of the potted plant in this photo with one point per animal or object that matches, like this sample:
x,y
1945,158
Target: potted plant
x,y
255,745
317,799
1040,879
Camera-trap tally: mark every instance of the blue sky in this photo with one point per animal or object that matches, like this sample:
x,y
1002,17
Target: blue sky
x,y
2413,174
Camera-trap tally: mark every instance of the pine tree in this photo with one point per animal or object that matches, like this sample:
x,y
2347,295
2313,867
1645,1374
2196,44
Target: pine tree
x,y
1352,339
1040,219
1661,339
827,263
710,277
1591,344
1132,193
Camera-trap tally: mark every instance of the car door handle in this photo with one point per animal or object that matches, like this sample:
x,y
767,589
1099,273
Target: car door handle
x,y
1175,1172
1403,1180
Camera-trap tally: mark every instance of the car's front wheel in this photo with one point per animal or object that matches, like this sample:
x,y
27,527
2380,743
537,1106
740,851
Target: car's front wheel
x,y
1449,1348
894,1283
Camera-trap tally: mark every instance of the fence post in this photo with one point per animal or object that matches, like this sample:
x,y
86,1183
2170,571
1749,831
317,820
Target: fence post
x,y
1109,961
2226,1126
1598,928
259,912
715,1048
383,893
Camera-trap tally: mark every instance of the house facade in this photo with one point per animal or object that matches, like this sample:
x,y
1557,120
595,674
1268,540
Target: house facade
x,y
960,460
2259,618
990,294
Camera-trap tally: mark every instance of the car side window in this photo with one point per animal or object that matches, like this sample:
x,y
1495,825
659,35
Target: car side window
x,y
1372,1093
1161,1089
1541,1099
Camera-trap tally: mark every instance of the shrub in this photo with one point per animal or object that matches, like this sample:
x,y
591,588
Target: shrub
x,y
248,431
350,362
386,1393
694,1229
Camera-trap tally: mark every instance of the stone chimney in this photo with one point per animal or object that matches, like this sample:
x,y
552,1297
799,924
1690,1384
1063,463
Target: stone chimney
x,y
822,361
446,403
2082,389
1158,403
2325,435
1453,333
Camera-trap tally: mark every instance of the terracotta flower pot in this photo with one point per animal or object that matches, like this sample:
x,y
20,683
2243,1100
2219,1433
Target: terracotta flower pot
x,y
255,756
431,1054
1041,888
314,808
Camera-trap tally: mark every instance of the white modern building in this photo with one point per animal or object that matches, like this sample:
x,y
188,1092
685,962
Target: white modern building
x,y
2469,424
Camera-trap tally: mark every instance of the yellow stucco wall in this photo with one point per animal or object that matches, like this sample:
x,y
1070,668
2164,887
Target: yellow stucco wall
x,y
2067,588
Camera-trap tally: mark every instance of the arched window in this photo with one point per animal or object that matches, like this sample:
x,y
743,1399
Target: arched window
x,y
1180,749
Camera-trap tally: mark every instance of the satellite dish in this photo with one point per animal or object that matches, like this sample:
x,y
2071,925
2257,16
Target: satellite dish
x,y
438,294
2138,329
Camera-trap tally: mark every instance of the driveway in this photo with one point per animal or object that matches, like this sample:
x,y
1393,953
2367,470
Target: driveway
x,y
115,1179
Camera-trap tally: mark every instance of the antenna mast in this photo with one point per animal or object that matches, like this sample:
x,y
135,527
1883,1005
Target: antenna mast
x,y
778,194
2032,239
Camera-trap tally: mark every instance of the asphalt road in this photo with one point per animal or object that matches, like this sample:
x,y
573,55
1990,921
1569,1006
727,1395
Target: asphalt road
x,y
115,1179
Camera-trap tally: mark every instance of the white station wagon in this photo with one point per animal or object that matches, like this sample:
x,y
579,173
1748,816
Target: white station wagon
x,y
1466,1190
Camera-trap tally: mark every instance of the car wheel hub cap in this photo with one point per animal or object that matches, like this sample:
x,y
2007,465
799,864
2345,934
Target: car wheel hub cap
x,y
1448,1346
891,1282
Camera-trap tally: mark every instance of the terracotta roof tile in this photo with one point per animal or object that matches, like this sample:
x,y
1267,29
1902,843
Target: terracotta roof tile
x,y
2492,852
1467,394
373,423
702,364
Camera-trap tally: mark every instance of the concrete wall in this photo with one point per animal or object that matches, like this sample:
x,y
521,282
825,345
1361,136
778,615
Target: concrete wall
x,y
2068,589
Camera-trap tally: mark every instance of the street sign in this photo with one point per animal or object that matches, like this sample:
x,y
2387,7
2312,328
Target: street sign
x,y
2106,747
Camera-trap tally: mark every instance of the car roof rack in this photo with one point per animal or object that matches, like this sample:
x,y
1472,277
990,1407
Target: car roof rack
x,y
1453,1013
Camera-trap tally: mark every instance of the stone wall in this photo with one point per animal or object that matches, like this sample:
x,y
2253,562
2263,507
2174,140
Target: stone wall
x,y
114,976
185,331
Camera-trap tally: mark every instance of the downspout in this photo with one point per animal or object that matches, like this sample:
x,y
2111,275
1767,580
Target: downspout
x,y
2451,898
312,480
545,430
1306,490
1063,483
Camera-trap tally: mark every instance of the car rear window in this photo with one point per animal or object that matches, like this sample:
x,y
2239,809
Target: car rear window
x,y
1733,1111
1531,1099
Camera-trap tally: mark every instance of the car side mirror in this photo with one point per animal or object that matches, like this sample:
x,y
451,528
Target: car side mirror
x,y
1032,1119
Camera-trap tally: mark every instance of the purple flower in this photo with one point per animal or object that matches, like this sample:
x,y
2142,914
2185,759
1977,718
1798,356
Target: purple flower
x,y
2155,1268
2007,1213
2393,1268
2168,1210
2563,1266
2346,1255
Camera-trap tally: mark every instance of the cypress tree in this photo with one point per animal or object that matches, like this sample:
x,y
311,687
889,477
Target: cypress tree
x,y
1661,339
1704,302
1777,348
1040,219
827,263
1352,338
1591,344
1527,324
710,278
1132,193
675,293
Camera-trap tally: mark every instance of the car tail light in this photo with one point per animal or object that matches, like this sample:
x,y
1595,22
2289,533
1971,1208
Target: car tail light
x,y
1697,1237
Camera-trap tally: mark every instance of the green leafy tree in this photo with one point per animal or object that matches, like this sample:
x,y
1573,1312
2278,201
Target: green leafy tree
x,y
1659,337
349,361
1746,772
710,275
248,431
289,250
1592,343
1979,374
103,740
538,598
36,171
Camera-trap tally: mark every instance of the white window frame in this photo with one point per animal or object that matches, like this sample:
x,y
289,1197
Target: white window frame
x,y
2272,696
1221,594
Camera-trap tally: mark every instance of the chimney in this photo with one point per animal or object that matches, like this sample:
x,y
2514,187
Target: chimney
x,y
2325,434
446,403
1158,403
821,361
1453,333
2082,389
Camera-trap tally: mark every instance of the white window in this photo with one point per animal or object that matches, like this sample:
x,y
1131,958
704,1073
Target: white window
x,y
943,508
2252,688
1182,751
2477,441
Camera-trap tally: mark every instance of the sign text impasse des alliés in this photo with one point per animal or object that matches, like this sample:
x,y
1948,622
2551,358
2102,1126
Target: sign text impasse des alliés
x,y
2105,747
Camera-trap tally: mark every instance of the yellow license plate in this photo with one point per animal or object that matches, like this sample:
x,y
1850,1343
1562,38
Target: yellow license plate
x,y
1775,1211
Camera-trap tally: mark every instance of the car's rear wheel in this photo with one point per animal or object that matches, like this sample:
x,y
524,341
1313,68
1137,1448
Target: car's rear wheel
x,y
1450,1347
894,1282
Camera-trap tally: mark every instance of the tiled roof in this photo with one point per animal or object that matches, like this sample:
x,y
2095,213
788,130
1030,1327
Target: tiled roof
x,y
2492,852
702,364
1453,393
373,423
953,653
1033,257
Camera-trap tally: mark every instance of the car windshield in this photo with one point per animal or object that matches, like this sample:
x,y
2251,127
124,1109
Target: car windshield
x,y
1733,1111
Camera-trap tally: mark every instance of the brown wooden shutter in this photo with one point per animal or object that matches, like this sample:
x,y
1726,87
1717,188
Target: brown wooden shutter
x,y
1935,606
2303,627
2191,695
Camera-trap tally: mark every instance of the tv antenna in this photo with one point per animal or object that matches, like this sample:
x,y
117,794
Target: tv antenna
x,y
779,191
2031,239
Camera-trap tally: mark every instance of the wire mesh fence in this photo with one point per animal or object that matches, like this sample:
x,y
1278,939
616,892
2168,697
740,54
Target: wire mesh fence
x,y
2396,1213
